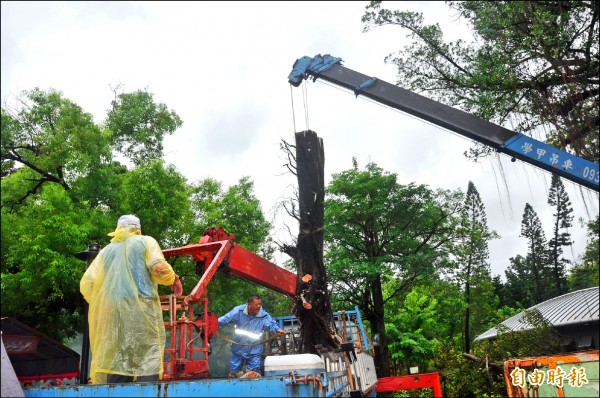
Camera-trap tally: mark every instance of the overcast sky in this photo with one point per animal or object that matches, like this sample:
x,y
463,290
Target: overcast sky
x,y
223,67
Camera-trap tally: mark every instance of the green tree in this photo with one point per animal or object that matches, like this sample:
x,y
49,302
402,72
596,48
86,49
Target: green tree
x,y
585,273
563,220
537,256
413,316
520,286
239,212
450,303
51,149
160,196
47,140
40,274
40,238
532,63
500,290
427,332
61,190
379,231
462,378
236,209
411,329
472,254
503,313
137,126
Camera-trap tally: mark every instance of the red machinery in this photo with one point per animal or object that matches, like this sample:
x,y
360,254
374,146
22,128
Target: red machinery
x,y
185,359
411,382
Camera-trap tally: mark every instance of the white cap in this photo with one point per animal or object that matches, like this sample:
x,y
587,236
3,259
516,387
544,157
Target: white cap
x,y
129,220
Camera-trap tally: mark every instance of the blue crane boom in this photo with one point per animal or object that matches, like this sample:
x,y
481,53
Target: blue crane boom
x,y
516,145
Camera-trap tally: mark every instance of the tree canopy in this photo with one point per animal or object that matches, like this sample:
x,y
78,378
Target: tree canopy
x,y
63,188
380,231
532,66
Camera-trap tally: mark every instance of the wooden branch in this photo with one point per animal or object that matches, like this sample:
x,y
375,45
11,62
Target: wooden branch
x,y
291,251
292,212
495,366
289,150
12,155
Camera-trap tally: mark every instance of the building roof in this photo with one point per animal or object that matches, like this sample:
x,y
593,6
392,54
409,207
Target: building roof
x,y
34,354
573,308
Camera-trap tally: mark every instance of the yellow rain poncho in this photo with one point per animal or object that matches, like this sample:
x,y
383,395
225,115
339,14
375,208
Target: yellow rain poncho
x,y
127,333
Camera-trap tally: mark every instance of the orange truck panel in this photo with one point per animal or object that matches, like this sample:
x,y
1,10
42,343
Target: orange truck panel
x,y
565,375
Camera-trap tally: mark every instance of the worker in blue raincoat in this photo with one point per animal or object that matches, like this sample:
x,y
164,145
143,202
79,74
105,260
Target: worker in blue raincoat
x,y
127,332
250,320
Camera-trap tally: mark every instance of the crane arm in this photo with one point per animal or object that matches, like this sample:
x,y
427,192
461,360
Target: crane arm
x,y
216,248
516,145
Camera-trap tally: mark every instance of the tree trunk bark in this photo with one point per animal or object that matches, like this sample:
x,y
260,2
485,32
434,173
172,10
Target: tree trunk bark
x,y
313,307
382,364
468,311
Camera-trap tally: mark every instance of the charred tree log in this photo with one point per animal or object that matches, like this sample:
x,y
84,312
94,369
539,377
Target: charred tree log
x,y
313,307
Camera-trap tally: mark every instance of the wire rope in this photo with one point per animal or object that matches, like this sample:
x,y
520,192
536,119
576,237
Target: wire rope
x,y
293,110
305,99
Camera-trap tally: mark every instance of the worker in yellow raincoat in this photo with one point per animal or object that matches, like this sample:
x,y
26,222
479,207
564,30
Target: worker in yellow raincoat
x,y
127,333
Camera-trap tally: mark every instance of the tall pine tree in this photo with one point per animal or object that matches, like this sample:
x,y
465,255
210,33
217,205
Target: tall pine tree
x,y
472,255
536,260
559,199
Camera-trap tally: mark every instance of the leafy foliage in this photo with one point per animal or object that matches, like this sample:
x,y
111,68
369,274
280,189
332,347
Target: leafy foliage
x,y
520,286
462,378
160,196
377,227
53,139
531,64
137,126
380,232
586,272
540,339
239,212
236,209
40,275
411,329
61,189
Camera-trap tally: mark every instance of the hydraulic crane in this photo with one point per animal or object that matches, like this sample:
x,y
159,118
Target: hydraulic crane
x,y
287,372
216,249
516,145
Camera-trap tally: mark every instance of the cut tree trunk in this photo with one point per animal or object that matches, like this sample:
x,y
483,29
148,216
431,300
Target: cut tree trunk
x,y
313,307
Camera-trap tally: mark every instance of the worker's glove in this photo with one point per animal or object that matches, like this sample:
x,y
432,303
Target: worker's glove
x,y
281,332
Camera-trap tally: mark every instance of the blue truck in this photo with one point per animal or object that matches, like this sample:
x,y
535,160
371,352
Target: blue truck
x,y
336,374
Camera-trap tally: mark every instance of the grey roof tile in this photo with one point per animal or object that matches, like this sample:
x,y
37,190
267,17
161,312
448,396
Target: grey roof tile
x,y
572,308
